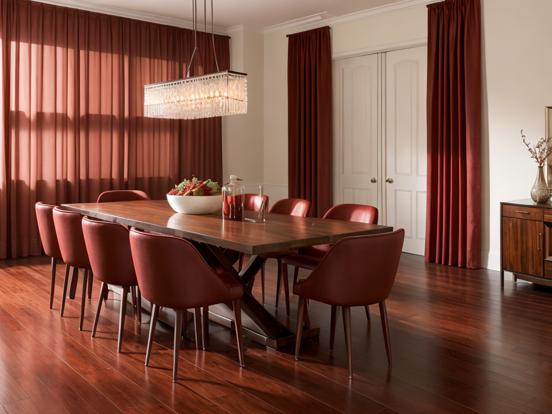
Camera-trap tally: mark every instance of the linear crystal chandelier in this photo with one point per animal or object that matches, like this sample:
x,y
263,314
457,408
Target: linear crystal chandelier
x,y
216,94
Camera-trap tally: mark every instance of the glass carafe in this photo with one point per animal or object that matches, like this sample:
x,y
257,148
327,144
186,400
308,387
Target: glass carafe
x,y
233,195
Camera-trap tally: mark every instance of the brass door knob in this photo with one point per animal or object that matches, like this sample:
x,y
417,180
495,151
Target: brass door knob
x,y
389,180
373,180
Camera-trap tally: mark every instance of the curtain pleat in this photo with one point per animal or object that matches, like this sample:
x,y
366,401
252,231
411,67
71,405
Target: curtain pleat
x,y
71,112
310,118
453,233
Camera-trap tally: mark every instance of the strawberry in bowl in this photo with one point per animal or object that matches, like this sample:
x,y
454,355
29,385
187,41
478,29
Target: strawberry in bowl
x,y
195,196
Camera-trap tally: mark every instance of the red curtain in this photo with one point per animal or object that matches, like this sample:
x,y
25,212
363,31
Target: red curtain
x,y
310,118
71,114
453,234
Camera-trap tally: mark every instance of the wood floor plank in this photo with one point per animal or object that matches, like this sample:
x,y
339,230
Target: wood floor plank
x,y
460,345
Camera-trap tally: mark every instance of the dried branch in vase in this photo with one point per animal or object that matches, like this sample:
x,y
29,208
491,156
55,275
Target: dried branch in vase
x,y
539,151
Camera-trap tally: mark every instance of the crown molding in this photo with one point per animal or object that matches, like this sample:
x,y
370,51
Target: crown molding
x,y
323,19
131,14
312,19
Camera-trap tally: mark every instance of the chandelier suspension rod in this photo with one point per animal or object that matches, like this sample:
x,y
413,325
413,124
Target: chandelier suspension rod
x,y
213,37
194,28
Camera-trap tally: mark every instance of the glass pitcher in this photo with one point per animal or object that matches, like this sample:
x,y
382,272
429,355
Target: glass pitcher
x,y
233,195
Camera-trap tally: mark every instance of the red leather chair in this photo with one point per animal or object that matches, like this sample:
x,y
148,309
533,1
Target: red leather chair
x,y
47,231
111,262
253,202
357,271
73,251
297,207
172,273
310,257
121,195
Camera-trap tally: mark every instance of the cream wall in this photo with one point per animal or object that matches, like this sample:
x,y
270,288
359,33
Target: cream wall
x,y
517,84
517,76
370,33
242,137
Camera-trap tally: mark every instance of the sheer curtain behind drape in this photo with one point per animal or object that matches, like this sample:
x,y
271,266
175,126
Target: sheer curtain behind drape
x,y
71,121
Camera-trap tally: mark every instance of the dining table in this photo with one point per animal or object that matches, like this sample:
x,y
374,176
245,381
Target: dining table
x,y
221,241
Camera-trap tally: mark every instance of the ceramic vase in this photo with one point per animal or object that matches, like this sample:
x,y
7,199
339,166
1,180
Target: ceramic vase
x,y
540,192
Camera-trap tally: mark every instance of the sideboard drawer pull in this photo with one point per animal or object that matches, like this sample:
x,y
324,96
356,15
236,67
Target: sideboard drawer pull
x,y
522,212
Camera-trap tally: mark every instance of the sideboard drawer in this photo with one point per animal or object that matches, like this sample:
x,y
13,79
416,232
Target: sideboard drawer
x,y
528,213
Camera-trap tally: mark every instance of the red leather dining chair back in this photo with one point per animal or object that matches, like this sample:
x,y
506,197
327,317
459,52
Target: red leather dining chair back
x,y
122,195
73,250
362,213
291,206
357,271
70,238
253,202
109,252
172,273
47,230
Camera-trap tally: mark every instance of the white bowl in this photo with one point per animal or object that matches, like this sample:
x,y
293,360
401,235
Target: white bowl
x,y
195,204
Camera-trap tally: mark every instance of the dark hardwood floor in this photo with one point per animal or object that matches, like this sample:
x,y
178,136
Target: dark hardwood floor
x,y
460,344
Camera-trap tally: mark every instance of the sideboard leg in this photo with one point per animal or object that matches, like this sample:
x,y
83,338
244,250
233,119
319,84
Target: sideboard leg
x,y
502,278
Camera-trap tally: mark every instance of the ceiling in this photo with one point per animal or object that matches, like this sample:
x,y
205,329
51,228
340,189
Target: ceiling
x,y
258,13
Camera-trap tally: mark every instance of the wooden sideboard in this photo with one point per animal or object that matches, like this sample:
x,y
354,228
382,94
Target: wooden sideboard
x,y
526,241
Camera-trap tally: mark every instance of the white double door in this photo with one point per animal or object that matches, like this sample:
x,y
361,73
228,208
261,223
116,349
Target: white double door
x,y
380,139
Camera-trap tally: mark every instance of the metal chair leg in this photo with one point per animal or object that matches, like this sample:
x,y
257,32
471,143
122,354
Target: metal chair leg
x,y
177,341
285,281
332,326
238,327
367,310
134,301
74,283
197,326
299,331
103,288
306,316
122,315
153,322
347,328
53,281
83,298
139,304
65,284
386,335
205,327
90,284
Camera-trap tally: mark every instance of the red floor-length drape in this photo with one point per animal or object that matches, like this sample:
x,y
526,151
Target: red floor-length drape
x,y
310,118
453,234
71,114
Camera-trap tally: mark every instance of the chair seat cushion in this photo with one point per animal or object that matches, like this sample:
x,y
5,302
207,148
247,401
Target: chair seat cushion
x,y
319,250
303,261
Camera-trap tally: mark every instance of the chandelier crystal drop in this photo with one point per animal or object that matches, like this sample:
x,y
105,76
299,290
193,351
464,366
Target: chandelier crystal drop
x,y
215,94
207,96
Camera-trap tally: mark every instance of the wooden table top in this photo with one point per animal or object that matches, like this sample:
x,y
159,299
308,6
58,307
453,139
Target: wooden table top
x,y
278,233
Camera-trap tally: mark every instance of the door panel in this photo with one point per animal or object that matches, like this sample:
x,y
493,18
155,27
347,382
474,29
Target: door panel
x,y
406,144
356,148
